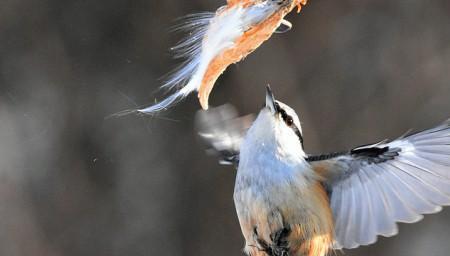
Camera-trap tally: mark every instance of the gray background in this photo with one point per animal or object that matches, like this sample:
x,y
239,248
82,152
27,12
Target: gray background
x,y
73,183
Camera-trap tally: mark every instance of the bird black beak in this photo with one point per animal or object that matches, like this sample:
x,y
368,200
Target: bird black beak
x,y
270,100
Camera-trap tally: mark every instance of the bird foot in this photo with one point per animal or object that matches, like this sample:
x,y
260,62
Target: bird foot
x,y
279,245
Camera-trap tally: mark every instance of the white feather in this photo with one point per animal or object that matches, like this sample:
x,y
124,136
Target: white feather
x,y
210,35
402,189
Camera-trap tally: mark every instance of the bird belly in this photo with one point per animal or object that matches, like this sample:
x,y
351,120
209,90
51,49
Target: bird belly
x,y
304,214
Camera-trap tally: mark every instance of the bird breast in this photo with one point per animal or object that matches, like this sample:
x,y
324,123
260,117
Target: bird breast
x,y
270,195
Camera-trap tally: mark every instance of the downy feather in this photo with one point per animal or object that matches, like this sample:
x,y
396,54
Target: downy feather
x,y
210,34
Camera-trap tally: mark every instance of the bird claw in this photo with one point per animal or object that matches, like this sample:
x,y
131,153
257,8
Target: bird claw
x,y
279,238
279,245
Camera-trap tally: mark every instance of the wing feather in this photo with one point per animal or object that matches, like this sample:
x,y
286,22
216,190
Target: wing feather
x,y
337,206
427,184
373,187
385,221
351,227
433,178
366,215
344,212
402,212
223,131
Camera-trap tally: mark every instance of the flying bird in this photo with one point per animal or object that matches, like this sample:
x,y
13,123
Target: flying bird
x,y
291,203
217,40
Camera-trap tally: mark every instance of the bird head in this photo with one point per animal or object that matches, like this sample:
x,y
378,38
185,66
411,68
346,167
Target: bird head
x,y
277,128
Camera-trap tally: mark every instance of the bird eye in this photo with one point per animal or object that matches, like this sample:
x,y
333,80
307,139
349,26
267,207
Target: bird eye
x,y
289,121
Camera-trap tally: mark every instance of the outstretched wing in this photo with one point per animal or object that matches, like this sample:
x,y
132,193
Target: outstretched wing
x,y
373,187
223,131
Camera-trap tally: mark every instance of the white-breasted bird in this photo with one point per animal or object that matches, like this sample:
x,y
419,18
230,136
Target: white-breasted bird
x,y
292,203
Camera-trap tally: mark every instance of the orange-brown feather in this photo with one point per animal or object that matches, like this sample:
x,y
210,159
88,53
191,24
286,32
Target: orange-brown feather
x,y
244,45
314,237
245,3
300,4
321,242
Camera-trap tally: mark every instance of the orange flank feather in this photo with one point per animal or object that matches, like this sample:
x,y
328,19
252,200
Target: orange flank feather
x,y
231,3
320,243
244,45
313,237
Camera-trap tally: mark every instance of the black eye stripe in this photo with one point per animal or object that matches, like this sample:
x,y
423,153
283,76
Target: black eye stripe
x,y
289,122
282,112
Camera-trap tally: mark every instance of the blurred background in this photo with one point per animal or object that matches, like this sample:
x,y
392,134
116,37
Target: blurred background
x,y
75,183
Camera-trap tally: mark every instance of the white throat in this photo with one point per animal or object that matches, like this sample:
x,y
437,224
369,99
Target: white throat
x,y
273,155
271,136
